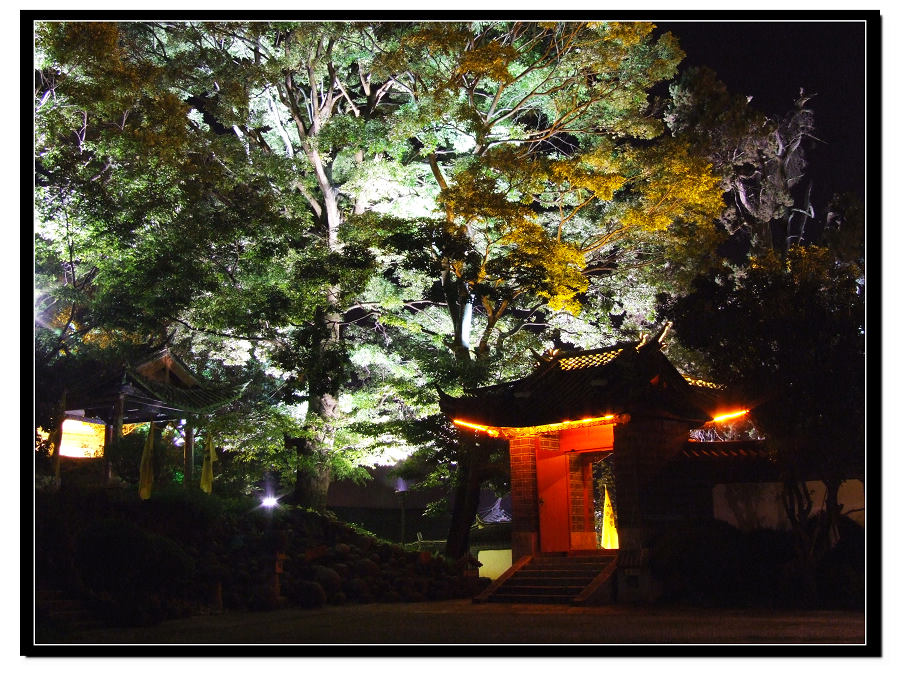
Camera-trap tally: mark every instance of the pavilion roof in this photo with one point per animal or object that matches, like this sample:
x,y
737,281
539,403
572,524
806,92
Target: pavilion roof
x,y
625,378
157,388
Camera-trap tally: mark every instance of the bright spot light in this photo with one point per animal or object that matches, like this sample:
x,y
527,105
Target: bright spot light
x,y
270,502
729,416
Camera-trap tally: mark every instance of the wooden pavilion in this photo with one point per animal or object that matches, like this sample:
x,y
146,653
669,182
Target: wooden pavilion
x,y
158,388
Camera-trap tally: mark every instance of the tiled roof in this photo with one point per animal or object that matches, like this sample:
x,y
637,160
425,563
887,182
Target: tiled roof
x,y
147,398
589,359
696,382
725,449
631,378
715,462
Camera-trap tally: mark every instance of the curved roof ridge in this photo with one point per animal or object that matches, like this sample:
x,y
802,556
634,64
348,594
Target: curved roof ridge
x,y
596,350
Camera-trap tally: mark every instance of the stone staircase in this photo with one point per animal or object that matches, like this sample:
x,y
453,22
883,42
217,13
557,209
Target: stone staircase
x,y
571,578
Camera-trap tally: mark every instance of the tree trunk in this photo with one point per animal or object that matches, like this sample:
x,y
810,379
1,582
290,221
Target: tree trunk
x,y
832,510
312,485
465,504
798,505
314,450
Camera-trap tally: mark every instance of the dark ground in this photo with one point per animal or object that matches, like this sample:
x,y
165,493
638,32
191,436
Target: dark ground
x,y
462,622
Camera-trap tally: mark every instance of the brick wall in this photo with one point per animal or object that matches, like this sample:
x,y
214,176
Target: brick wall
x,y
523,494
642,447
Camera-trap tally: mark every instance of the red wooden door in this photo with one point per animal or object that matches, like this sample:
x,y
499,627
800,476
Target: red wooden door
x,y
553,500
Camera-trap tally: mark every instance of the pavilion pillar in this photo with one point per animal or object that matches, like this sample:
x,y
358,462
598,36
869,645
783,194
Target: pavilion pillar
x,y
188,455
108,437
523,493
113,434
56,439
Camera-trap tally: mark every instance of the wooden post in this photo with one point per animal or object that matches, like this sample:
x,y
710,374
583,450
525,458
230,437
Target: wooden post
x,y
56,438
188,455
108,437
120,415
116,432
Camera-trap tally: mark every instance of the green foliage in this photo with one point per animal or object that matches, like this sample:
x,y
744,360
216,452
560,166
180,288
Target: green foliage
x,y
125,456
791,331
344,215
761,161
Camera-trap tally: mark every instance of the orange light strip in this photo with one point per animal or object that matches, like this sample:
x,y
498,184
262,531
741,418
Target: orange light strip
x,y
729,416
492,431
508,432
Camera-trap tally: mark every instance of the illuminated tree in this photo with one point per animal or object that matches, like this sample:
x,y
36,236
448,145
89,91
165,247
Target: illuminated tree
x,y
540,141
420,191
761,160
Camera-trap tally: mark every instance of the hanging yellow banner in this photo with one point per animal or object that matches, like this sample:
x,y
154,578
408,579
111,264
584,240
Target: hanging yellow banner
x,y
609,537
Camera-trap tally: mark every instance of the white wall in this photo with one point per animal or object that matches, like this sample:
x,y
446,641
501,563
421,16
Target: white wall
x,y
759,505
494,562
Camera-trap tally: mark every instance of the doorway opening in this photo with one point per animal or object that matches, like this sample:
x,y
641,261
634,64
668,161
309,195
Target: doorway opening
x,y
605,504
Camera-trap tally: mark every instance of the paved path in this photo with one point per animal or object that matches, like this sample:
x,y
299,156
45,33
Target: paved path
x,y
462,622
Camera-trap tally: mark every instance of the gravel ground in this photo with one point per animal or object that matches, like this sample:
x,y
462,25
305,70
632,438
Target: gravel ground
x,y
462,622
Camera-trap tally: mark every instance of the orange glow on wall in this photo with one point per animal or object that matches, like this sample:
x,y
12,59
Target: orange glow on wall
x,y
509,432
729,416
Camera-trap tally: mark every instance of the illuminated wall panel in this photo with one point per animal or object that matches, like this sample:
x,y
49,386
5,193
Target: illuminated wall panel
x,y
82,439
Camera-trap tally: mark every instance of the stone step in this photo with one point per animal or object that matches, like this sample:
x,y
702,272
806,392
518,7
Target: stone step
x,y
592,565
557,577
547,570
575,561
568,563
574,569
567,575
564,599
537,590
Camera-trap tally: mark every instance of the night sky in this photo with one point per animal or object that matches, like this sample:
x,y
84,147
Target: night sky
x,y
772,60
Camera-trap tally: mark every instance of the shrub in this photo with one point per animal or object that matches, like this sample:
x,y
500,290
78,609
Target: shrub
x,y
841,576
130,573
712,563
307,594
